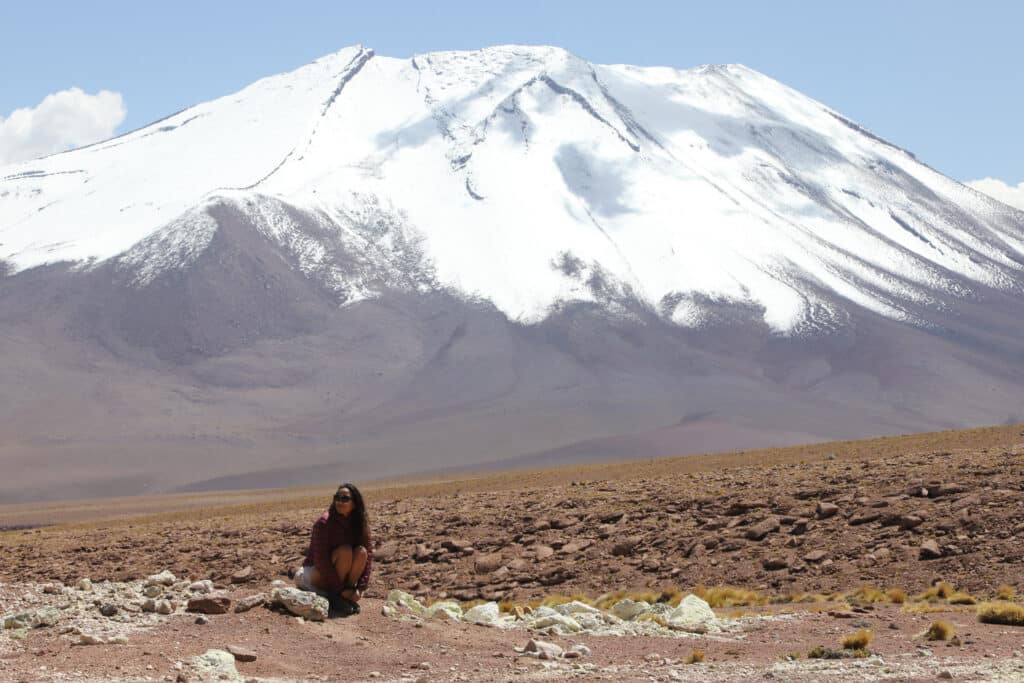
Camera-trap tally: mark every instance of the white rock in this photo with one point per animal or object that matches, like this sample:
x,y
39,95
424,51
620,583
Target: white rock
x,y
543,649
487,613
405,600
84,584
561,622
152,591
164,578
448,609
692,611
117,640
89,639
302,603
164,607
576,607
629,610
204,586
216,664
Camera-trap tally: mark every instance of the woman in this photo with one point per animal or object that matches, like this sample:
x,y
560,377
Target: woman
x,y
340,553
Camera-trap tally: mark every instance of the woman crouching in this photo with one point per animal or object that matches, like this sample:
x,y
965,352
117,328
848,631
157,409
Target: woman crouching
x,y
340,554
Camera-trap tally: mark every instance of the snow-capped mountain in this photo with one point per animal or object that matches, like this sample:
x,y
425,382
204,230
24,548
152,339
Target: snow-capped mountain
x,y
732,225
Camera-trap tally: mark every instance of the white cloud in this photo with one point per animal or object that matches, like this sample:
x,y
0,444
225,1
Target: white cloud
x,y
64,120
997,189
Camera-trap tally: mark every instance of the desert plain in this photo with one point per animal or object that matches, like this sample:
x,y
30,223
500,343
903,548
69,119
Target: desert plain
x,y
897,558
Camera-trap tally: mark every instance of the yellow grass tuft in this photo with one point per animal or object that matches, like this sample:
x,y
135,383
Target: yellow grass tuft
x,y
729,596
868,594
696,657
940,630
1006,592
940,591
608,599
896,596
1001,613
857,641
961,598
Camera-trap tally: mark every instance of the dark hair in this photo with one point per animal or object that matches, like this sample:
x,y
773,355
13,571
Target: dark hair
x,y
358,517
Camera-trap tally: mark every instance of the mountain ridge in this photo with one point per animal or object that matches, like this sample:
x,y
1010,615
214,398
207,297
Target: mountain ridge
x,y
462,258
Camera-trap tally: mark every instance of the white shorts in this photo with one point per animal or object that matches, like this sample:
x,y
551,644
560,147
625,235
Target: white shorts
x,y
304,581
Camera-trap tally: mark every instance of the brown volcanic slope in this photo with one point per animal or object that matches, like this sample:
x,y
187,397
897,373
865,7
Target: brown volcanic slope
x,y
716,519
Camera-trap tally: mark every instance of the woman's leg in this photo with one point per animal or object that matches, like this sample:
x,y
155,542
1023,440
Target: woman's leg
x,y
341,558
358,564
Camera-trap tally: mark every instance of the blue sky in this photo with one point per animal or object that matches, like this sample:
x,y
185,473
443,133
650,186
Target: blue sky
x,y
942,79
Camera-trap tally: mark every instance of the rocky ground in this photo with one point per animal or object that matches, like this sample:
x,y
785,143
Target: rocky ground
x,y
800,535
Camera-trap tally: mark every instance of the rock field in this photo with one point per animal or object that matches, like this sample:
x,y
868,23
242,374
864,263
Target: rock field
x,y
197,595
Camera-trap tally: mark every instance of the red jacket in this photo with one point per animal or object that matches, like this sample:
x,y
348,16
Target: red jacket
x,y
329,532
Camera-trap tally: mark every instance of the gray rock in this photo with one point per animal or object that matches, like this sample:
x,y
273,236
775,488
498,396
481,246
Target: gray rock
x,y
758,531
242,654
249,602
302,603
108,609
216,664
543,649
243,575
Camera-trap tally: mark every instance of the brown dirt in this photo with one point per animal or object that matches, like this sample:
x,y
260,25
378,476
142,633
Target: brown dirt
x,y
648,525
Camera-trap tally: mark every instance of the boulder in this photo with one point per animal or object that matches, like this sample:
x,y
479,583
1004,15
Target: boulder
x,y
209,604
485,564
758,531
543,649
930,550
625,546
216,665
164,578
243,575
826,510
250,601
627,609
301,603
692,611
487,613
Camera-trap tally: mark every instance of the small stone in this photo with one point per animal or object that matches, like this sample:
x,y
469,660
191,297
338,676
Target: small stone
x,y
758,531
815,556
89,639
242,654
204,586
84,584
775,563
826,510
930,550
202,620
543,552
626,546
108,609
945,675
243,575
152,591
302,603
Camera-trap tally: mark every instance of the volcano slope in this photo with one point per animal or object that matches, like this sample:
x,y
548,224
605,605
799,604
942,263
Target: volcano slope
x,y
794,547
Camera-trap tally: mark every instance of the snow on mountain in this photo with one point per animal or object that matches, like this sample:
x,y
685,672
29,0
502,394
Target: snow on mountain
x,y
527,177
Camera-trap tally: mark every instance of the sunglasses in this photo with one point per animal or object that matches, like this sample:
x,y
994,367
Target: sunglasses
x,y
342,498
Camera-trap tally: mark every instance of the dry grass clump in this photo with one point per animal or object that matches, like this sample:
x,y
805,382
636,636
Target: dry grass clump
x,y
1006,613
822,652
897,596
1006,592
868,594
939,591
656,618
961,598
940,630
857,641
729,596
696,657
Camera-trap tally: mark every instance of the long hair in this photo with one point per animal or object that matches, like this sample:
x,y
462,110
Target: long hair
x,y
358,517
